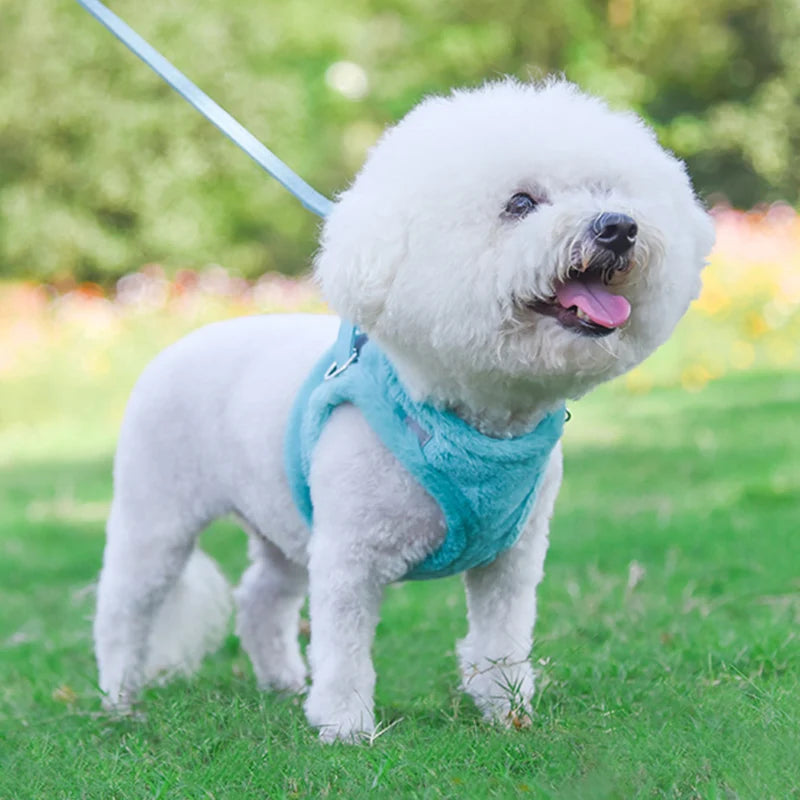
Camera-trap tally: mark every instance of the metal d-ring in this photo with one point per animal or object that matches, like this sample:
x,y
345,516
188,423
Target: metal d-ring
x,y
334,369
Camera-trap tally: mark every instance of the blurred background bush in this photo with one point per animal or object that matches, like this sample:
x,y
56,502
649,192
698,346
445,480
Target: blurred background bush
x,y
103,168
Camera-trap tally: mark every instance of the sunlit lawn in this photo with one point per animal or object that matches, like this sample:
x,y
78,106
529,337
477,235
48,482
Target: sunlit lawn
x,y
667,644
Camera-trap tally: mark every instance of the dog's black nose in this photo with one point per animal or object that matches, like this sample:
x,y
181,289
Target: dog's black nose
x,y
615,232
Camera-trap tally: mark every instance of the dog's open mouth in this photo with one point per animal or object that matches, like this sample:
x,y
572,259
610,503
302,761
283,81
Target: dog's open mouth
x,y
585,305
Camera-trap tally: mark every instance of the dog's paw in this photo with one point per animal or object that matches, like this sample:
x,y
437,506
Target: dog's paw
x,y
513,713
502,690
286,681
339,719
119,701
347,731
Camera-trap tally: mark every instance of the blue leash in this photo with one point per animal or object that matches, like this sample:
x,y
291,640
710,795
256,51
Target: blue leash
x,y
240,136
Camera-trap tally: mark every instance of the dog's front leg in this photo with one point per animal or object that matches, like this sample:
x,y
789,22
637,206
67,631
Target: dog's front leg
x,y
344,606
372,522
501,605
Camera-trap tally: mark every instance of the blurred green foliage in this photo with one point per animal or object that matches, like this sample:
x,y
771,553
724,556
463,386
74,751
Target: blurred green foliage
x,y
103,167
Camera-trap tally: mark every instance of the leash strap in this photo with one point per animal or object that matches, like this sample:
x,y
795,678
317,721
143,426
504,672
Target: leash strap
x,y
238,134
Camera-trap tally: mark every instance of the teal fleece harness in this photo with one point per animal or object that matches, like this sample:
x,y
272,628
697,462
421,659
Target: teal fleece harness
x,y
485,487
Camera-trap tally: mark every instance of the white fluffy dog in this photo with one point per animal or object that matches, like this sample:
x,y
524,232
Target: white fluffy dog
x,y
504,248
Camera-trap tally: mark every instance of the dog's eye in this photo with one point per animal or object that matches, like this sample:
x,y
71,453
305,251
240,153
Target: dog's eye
x,y
520,205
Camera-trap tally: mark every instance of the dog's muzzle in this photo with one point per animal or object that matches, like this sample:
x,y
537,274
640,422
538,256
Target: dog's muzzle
x,y
582,301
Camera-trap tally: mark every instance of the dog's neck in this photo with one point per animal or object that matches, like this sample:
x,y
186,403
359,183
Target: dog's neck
x,y
501,409
499,423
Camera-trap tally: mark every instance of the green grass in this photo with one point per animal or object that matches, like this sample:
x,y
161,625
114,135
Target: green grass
x,y
667,644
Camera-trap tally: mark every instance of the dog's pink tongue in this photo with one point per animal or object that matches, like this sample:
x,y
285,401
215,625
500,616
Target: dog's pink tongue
x,y
602,307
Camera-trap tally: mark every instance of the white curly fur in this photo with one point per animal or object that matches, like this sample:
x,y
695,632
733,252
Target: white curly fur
x,y
419,254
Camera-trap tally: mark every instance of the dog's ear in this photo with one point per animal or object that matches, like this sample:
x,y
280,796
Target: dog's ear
x,y
362,247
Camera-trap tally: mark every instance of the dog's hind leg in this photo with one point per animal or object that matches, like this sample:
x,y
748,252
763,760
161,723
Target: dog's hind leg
x,y
161,604
268,601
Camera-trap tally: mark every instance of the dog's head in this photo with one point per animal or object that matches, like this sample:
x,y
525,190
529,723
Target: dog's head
x,y
515,236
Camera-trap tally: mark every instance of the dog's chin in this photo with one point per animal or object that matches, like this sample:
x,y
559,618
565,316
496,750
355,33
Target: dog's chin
x,y
556,340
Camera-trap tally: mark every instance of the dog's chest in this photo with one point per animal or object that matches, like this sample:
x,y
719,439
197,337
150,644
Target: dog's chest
x,y
475,492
